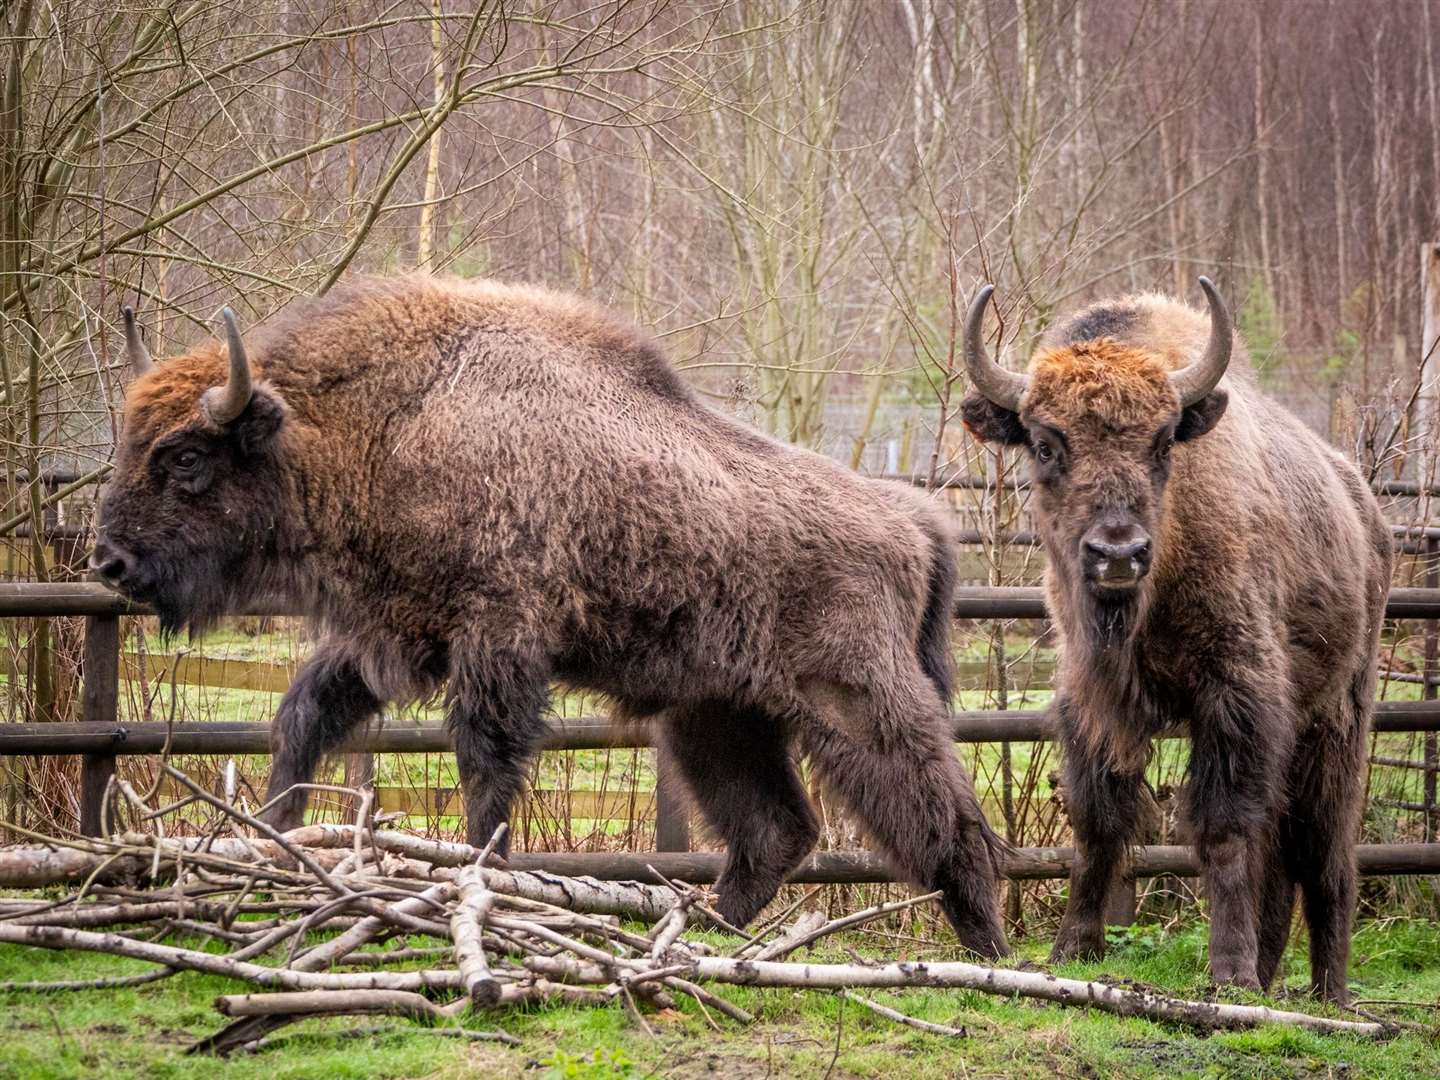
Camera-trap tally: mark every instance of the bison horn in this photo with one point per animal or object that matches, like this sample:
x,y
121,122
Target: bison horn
x,y
225,403
1194,381
135,350
1003,387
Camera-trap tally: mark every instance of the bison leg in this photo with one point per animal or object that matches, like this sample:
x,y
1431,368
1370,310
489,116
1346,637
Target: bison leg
x,y
493,706
1104,806
325,702
1238,748
887,754
1328,783
737,767
1277,902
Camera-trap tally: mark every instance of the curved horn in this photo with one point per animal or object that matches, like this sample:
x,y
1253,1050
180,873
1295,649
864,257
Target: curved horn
x,y
1002,387
225,403
1195,380
135,350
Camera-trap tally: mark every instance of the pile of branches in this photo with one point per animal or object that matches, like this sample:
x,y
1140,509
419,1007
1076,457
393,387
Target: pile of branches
x,y
330,920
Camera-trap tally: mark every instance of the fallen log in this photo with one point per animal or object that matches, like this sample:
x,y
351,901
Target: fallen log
x,y
39,866
331,1003
1006,982
61,938
467,928
577,892
610,883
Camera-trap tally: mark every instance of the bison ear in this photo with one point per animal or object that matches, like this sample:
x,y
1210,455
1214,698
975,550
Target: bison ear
x,y
255,428
989,422
1202,416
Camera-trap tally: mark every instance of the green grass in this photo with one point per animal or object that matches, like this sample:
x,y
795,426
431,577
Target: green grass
x,y
144,1031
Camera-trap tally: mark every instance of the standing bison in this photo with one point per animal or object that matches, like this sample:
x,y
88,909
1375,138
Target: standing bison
x,y
503,487
1212,563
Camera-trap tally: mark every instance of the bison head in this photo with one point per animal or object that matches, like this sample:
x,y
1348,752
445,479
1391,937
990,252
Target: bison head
x,y
190,521
1099,418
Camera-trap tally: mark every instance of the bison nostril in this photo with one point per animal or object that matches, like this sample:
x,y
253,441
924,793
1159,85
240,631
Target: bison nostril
x,y
109,562
112,569
1131,549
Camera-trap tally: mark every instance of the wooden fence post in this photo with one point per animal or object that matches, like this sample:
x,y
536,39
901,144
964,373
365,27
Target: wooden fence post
x,y
99,703
1426,426
1426,406
672,814
1428,690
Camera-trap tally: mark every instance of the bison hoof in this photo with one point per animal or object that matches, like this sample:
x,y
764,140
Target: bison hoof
x,y
1231,972
986,944
1337,995
1078,943
739,909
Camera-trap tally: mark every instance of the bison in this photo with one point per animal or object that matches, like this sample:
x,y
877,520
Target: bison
x,y
1212,564
493,487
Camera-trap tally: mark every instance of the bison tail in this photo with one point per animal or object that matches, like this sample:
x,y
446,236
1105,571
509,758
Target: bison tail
x,y
933,649
938,663
999,848
933,645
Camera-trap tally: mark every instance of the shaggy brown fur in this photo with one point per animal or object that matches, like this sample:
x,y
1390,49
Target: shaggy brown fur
x,y
1256,626
503,486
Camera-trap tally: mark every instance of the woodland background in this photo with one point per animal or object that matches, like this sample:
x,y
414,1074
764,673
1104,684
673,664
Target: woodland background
x,y
786,192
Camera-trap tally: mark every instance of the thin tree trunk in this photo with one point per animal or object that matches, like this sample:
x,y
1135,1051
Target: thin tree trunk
x,y
1262,170
425,257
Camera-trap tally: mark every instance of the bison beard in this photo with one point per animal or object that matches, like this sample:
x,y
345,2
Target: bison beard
x,y
1110,621
1254,623
493,488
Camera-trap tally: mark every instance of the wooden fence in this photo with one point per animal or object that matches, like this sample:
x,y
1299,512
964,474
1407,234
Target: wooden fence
x,y
99,738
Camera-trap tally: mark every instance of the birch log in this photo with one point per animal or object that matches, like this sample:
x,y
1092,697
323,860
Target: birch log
x,y
1005,982
467,929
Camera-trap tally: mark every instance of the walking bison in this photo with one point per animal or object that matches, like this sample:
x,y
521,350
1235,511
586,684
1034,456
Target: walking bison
x,y
501,487
1212,563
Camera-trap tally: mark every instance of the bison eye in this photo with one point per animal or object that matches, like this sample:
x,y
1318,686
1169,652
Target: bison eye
x,y
1163,451
186,460
1043,453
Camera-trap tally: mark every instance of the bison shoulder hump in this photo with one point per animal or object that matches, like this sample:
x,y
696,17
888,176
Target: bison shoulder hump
x,y
1108,320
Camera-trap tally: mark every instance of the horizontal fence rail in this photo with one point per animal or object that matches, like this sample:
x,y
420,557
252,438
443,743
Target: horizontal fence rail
x,y
43,599
863,867
821,868
275,676
100,739
46,599
580,733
